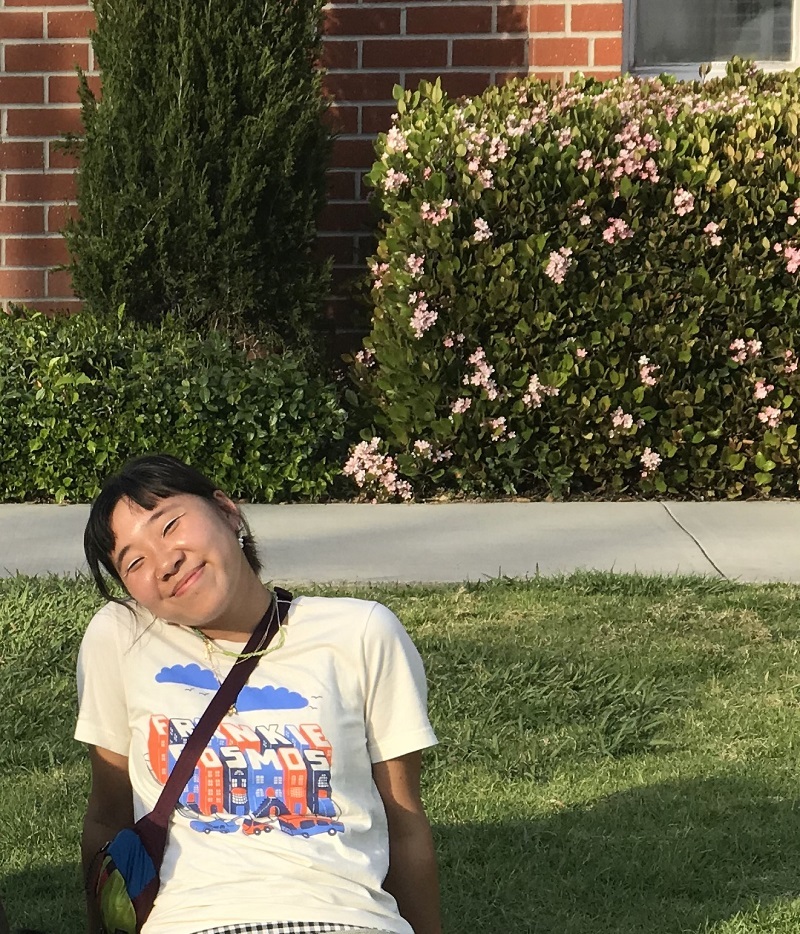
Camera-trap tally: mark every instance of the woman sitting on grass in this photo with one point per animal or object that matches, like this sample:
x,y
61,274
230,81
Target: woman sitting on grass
x,y
304,812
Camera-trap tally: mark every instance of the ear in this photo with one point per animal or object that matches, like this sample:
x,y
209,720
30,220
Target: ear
x,y
229,509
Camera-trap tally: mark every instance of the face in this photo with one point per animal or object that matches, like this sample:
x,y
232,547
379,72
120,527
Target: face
x,y
181,560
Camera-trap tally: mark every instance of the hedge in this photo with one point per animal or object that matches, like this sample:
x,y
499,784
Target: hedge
x,y
588,290
83,394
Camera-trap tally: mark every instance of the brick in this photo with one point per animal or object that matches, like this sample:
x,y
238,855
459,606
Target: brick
x,y
19,155
54,307
598,73
501,77
21,25
404,53
512,18
339,247
563,52
448,20
462,84
364,86
58,215
74,24
21,284
352,153
339,54
57,158
38,3
489,52
36,251
377,118
40,187
362,22
51,121
351,216
21,218
26,89
342,119
366,244
59,284
608,52
547,17
46,57
340,186
63,89
596,17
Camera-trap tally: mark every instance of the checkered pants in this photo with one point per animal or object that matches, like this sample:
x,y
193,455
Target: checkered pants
x,y
289,927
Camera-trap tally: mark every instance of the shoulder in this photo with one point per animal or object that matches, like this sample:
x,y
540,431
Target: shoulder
x,y
349,613
114,627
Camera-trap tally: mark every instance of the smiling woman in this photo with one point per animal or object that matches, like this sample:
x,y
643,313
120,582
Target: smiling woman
x,y
322,747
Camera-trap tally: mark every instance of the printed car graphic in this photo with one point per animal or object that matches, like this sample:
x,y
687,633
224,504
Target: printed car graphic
x,y
306,825
250,825
218,824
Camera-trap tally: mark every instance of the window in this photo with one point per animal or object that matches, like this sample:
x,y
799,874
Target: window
x,y
679,35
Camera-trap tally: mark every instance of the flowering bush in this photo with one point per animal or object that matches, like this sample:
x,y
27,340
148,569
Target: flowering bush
x,y
587,290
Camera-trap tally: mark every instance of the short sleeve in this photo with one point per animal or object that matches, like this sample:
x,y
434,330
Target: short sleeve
x,y
396,693
102,708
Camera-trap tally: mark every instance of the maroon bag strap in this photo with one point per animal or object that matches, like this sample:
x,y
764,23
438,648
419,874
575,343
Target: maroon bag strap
x,y
152,828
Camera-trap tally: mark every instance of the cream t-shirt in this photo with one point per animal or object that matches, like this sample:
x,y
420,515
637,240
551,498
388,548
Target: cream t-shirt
x,y
281,820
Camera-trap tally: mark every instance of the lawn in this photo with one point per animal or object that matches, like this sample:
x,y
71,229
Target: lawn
x,y
618,754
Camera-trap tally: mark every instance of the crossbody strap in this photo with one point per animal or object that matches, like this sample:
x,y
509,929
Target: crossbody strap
x,y
152,827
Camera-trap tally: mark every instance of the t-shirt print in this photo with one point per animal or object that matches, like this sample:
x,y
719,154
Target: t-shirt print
x,y
252,778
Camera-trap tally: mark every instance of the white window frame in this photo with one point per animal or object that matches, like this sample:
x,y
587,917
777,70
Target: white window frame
x,y
689,71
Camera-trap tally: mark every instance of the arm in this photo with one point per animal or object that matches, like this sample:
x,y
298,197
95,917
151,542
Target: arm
x,y
109,809
412,877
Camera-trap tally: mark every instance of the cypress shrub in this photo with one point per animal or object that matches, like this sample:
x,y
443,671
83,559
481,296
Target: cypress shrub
x,y
202,165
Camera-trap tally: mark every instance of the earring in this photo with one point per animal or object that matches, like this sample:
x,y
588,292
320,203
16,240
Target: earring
x,y
241,538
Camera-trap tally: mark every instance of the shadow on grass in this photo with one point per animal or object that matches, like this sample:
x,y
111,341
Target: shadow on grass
x,y
48,898
664,859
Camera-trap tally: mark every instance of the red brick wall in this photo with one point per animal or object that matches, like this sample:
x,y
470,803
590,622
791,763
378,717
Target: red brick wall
x,y
370,46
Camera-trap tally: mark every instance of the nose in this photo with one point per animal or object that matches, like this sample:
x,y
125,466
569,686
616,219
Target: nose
x,y
169,563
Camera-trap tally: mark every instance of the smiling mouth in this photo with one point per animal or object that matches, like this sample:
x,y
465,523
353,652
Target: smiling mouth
x,y
188,581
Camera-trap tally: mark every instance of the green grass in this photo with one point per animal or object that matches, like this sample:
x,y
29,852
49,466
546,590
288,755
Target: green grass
x,y
618,754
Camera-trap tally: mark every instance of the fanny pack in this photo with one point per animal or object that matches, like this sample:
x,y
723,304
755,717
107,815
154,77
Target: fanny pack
x,y
123,876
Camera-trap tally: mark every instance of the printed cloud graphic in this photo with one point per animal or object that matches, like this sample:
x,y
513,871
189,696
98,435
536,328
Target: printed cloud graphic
x,y
269,698
193,675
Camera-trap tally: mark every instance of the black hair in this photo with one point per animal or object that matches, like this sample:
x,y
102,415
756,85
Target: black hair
x,y
145,480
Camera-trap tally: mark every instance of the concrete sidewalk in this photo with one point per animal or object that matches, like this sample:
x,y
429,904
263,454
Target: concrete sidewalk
x,y
465,541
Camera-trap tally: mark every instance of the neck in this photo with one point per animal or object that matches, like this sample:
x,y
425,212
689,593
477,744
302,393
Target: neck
x,y
238,624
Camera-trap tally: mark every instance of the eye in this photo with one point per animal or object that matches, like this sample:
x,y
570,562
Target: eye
x,y
170,526
132,566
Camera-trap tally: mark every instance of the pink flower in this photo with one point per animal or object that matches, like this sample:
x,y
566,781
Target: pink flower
x,y
585,161
581,353
738,350
762,389
621,419
791,362
754,348
564,137
365,357
585,220
427,172
650,461
683,202
415,264
792,256
378,270
617,230
537,392
770,416
482,374
713,237
396,141
559,264
369,468
498,429
394,180
460,405
422,317
796,207
482,231
647,372
435,215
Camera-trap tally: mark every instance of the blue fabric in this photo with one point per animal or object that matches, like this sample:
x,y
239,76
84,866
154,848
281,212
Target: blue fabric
x,y
132,860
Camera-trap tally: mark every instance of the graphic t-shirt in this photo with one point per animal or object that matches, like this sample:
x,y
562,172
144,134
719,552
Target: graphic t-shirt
x,y
281,819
